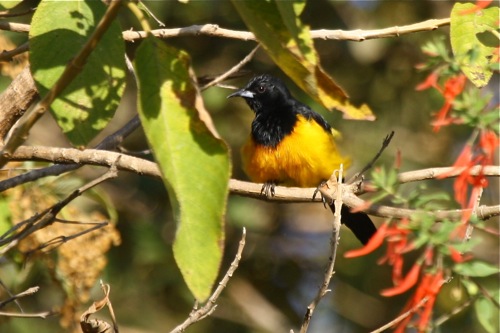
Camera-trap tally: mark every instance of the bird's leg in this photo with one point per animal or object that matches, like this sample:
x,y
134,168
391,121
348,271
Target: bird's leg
x,y
268,189
317,190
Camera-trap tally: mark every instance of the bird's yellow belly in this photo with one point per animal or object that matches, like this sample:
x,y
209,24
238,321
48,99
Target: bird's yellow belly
x,y
303,158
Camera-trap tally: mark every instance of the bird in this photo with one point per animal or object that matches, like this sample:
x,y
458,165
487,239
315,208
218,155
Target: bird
x,y
292,145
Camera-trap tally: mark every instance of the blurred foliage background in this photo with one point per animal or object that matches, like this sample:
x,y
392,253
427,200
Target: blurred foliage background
x,y
287,244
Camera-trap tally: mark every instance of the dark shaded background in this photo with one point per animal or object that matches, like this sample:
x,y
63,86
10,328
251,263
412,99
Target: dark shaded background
x,y
287,245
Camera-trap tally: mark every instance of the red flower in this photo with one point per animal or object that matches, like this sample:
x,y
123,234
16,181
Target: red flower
x,y
452,88
430,82
422,302
456,256
372,244
409,281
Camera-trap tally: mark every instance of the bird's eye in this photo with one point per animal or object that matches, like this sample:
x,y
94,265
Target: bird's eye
x,y
261,88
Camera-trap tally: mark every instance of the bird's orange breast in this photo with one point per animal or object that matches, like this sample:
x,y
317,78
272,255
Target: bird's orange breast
x,y
304,158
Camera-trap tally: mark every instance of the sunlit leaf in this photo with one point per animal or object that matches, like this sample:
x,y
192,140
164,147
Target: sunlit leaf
x,y
58,32
287,40
475,269
194,162
473,40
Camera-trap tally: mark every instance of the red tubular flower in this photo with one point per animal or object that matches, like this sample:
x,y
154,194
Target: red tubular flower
x,y
409,281
456,256
430,82
431,293
452,88
429,287
489,143
372,244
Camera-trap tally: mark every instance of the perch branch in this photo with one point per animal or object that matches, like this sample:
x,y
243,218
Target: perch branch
x,y
288,194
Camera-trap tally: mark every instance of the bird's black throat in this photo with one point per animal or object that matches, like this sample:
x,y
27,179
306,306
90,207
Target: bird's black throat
x,y
268,129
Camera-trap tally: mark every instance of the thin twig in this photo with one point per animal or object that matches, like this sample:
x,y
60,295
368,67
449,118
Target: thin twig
x,y
42,315
232,70
329,270
385,144
402,316
11,13
60,240
27,292
9,55
41,220
445,317
206,310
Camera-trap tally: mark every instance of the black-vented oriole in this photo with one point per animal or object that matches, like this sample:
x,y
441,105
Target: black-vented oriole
x,y
292,145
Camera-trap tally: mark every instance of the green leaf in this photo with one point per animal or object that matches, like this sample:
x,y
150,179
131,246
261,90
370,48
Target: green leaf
x,y
473,40
58,32
5,216
475,268
194,162
277,26
487,314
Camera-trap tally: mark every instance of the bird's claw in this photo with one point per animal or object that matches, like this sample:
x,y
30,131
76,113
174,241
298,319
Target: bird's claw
x,y
317,190
268,189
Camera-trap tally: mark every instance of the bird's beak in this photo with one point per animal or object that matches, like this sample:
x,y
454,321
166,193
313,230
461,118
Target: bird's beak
x,y
242,93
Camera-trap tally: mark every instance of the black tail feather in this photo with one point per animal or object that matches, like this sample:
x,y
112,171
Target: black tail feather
x,y
359,223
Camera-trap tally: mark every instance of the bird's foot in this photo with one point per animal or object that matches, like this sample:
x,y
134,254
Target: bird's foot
x,y
317,190
268,189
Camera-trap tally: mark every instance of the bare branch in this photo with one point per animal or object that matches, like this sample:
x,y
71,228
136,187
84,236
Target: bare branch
x,y
42,315
361,35
8,55
14,27
41,220
402,316
110,142
329,270
27,292
213,30
15,100
288,194
209,307
232,70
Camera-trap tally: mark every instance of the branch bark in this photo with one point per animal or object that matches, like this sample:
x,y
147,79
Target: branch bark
x,y
213,30
286,194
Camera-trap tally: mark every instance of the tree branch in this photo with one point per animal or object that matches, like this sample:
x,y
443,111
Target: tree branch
x,y
213,30
288,194
209,307
15,100
329,270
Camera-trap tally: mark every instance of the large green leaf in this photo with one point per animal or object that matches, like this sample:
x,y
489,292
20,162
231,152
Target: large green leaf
x,y
278,28
194,162
58,32
474,40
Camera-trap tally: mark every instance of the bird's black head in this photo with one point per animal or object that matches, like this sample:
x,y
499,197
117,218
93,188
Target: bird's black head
x,y
264,93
